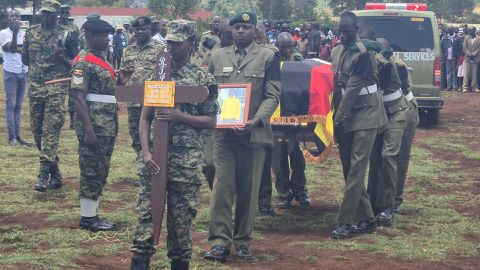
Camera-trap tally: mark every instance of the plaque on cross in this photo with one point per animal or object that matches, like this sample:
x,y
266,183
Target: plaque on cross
x,y
183,94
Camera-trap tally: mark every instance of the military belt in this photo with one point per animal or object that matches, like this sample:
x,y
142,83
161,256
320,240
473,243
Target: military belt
x,y
393,96
365,90
101,98
409,96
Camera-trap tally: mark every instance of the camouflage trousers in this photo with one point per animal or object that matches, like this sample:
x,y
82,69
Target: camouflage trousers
x,y
71,105
94,166
47,116
133,129
182,198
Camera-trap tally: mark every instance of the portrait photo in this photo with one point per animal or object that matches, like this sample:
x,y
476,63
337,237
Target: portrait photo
x,y
234,100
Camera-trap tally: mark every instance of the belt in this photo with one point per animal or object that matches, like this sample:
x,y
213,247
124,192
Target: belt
x,y
101,98
409,96
365,90
393,96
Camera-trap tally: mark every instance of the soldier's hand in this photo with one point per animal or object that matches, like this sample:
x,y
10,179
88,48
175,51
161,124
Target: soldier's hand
x,y
16,26
170,115
90,138
242,130
124,74
150,164
58,52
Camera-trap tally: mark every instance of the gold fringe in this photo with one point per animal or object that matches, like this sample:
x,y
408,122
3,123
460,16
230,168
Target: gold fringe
x,y
317,159
300,119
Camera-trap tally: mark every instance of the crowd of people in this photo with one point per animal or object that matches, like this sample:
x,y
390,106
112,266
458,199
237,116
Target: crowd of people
x,y
375,119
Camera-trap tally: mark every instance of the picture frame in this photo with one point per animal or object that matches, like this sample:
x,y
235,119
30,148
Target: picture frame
x,y
234,101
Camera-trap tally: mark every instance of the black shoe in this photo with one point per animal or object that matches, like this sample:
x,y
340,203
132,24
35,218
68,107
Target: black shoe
x,y
55,177
217,253
385,218
13,142
284,203
43,175
179,265
343,231
266,211
140,262
96,224
243,252
366,226
24,142
397,209
304,201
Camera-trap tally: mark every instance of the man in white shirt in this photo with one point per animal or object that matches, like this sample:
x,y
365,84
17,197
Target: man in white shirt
x,y
14,76
160,36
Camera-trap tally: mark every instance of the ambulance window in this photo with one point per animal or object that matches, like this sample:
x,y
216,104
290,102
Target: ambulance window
x,y
405,34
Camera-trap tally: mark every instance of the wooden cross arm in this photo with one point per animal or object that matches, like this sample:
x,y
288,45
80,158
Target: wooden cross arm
x,y
183,94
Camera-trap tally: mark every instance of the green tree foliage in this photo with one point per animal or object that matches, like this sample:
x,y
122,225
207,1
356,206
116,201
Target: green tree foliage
x,y
174,8
276,10
305,9
452,10
227,8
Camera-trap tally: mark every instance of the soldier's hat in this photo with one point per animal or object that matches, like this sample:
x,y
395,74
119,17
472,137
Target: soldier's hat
x,y
181,30
244,17
50,6
97,26
141,21
155,20
93,16
65,7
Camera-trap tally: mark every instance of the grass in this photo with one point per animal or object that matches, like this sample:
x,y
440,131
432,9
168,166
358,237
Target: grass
x,y
37,231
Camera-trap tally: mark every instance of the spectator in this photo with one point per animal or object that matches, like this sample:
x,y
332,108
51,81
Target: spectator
x,y
14,76
325,50
119,44
313,44
450,47
471,47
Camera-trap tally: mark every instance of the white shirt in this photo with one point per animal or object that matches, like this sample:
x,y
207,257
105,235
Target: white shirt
x,y
12,62
159,38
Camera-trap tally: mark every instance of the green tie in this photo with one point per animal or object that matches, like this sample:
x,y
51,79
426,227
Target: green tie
x,y
240,55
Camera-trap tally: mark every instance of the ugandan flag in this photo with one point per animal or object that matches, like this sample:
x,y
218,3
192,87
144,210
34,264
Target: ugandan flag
x,y
306,95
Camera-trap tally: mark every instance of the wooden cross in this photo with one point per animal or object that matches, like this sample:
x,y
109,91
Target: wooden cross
x,y
183,94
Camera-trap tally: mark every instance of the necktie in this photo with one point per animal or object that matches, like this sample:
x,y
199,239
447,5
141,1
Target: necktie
x,y
240,55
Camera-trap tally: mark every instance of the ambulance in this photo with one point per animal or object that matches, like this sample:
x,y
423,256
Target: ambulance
x,y
412,31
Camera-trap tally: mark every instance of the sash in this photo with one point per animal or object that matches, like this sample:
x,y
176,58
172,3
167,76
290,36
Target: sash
x,y
97,61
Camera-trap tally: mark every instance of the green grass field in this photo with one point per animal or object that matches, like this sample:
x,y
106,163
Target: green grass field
x,y
440,224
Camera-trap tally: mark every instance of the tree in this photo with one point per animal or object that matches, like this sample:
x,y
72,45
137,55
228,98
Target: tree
x,y
175,8
452,9
341,5
304,9
275,10
227,8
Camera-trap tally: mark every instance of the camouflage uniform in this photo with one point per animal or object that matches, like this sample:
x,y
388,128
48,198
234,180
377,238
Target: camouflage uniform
x,y
143,59
95,161
47,103
208,39
184,167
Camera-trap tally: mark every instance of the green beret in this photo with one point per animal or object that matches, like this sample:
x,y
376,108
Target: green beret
x,y
141,21
50,6
93,16
180,30
97,26
244,17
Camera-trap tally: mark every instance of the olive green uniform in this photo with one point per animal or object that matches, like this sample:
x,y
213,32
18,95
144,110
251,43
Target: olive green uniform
x,y
359,112
403,156
209,42
382,177
239,159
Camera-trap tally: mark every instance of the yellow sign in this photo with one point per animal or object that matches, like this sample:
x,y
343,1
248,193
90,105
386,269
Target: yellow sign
x,y
417,19
159,94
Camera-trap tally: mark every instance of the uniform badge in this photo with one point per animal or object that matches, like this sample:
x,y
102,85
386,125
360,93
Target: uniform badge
x,y
245,17
77,79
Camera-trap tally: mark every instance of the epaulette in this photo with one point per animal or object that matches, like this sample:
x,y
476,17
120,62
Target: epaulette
x,y
206,32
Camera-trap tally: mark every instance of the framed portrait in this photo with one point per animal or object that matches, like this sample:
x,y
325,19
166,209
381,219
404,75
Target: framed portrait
x,y
234,100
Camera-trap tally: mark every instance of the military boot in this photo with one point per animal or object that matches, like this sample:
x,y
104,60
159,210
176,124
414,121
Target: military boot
x,y
43,174
179,265
55,177
140,262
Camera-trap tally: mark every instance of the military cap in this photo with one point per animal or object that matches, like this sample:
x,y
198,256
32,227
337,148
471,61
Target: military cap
x,y
93,16
50,6
181,30
141,21
97,26
244,17
155,20
67,7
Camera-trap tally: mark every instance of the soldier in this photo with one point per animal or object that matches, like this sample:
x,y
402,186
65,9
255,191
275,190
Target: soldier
x,y
209,40
82,43
187,122
93,85
239,153
358,114
43,54
142,55
225,35
74,32
382,177
403,156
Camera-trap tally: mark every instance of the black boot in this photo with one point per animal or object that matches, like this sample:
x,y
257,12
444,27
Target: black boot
x,y
55,177
43,174
72,120
140,262
96,224
179,265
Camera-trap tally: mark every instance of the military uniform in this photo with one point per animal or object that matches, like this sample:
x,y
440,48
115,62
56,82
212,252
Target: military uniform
x,y
403,156
143,59
185,155
239,159
359,112
382,177
47,102
209,42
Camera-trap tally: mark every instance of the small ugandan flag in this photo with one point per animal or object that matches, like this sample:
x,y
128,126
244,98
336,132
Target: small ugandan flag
x,y
306,96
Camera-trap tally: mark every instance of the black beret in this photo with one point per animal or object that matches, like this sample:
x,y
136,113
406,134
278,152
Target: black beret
x,y
244,17
97,26
141,21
